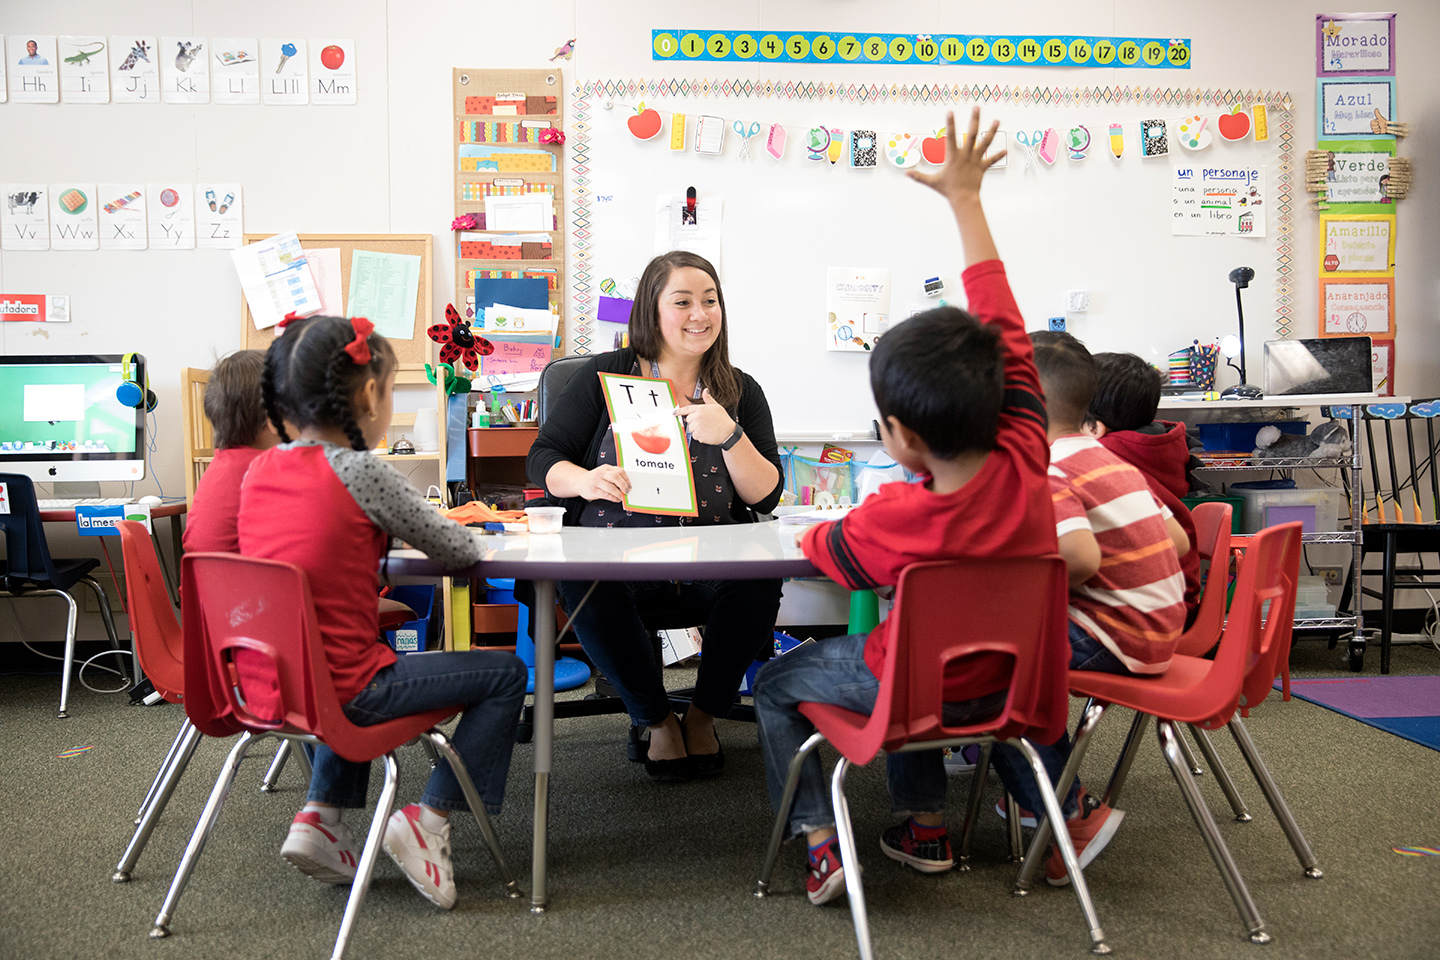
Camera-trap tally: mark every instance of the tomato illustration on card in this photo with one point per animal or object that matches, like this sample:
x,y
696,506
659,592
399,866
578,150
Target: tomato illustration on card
x,y
651,439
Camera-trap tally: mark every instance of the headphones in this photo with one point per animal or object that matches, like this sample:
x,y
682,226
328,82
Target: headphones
x,y
130,392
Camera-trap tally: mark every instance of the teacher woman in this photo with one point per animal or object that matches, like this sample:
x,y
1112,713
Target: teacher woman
x,y
678,333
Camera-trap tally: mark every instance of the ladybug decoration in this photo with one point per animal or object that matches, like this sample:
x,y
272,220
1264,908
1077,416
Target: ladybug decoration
x,y
459,341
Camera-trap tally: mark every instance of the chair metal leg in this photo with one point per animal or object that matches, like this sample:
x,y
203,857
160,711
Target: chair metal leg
x,y
102,598
1222,776
441,744
1126,758
1067,848
277,765
203,827
1276,801
160,773
1189,755
430,753
1012,830
787,797
1044,830
69,665
850,860
170,774
366,867
1234,883
972,808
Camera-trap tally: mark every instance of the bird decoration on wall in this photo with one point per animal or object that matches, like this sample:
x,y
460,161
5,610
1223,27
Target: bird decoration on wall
x,y
458,341
564,51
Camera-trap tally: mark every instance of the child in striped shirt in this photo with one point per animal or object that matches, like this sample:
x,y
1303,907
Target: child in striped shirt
x,y
1122,548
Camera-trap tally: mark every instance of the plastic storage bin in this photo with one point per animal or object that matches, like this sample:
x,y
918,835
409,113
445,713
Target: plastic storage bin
x,y
1241,436
1267,503
1312,599
499,589
414,636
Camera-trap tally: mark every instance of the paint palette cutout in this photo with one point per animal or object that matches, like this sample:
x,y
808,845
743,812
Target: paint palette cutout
x,y
903,150
1194,133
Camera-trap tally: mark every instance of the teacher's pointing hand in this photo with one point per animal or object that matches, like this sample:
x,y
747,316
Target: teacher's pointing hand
x,y
707,421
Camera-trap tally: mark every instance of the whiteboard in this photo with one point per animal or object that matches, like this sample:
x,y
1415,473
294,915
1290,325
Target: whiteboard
x,y
1100,225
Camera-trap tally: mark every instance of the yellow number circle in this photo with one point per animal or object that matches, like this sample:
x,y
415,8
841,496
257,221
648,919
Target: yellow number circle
x,y
875,48
900,49
1079,50
1129,52
926,50
1104,51
1029,49
771,46
1179,53
849,48
952,49
744,46
797,47
823,48
977,49
718,45
1003,51
691,44
665,45
1055,50
1154,52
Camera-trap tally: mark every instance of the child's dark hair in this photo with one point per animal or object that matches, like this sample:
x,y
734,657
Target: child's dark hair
x,y
1127,392
1067,375
941,374
310,378
233,404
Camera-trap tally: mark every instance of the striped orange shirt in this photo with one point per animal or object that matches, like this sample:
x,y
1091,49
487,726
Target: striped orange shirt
x,y
1135,602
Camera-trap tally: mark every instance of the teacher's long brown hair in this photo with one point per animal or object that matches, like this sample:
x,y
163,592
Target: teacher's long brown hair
x,y
716,373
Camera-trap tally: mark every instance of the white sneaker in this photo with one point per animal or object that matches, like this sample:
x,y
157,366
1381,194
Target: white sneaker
x,y
422,855
324,851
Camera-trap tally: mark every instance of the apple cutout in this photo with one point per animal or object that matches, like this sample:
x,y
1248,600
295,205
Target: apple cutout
x,y
651,440
646,123
332,57
933,148
1235,125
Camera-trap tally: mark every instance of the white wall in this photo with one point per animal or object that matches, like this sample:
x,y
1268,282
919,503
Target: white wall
x,y
384,166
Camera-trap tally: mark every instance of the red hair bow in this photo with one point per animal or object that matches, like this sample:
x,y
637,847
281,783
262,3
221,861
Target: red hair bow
x,y
286,321
359,348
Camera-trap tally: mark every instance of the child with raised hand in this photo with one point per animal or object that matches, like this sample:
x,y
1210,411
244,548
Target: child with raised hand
x,y
323,503
241,433
960,404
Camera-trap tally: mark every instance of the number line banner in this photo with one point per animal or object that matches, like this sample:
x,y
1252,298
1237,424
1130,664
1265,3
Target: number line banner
x,y
1039,50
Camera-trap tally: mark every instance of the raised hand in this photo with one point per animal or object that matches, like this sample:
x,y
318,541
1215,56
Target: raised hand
x,y
965,165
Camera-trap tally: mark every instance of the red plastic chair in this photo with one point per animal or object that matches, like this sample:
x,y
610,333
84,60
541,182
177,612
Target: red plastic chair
x,y
250,624
1203,692
946,611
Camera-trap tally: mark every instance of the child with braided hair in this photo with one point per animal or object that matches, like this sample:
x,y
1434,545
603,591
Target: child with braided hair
x,y
323,503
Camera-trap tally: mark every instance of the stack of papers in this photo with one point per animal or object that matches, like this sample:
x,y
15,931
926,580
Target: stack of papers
x,y
817,516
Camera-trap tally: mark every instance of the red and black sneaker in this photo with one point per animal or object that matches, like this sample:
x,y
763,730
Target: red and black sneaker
x,y
928,853
825,875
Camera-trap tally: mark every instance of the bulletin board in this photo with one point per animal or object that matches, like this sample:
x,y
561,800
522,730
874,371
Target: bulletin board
x,y
1101,224
414,350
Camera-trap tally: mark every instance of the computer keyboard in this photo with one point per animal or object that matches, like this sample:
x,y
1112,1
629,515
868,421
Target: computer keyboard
x,y
67,503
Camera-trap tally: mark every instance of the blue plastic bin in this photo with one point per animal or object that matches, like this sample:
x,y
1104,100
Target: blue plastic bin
x,y
784,643
413,636
1241,436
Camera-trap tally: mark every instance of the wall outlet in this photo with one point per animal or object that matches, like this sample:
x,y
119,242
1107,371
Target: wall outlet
x,y
1057,324
1333,575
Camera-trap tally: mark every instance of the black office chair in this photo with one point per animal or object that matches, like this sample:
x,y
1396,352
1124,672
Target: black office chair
x,y
28,570
605,700
1402,522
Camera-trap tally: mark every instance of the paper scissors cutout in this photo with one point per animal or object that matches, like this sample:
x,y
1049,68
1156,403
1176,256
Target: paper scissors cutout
x,y
1029,142
745,138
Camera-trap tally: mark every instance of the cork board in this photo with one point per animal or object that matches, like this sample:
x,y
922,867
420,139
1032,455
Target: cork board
x,y
415,350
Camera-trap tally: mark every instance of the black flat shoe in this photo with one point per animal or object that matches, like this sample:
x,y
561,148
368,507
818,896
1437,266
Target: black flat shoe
x,y
678,770
707,764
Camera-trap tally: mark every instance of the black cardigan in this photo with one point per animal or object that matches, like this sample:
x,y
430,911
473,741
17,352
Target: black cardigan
x,y
576,423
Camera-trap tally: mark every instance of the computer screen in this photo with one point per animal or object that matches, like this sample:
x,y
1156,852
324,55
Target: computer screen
x,y
1331,365
61,421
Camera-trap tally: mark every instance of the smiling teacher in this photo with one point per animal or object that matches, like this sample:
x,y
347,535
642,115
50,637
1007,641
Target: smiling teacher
x,y
678,332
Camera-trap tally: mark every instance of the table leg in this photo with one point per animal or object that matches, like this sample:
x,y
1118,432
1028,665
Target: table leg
x,y
544,733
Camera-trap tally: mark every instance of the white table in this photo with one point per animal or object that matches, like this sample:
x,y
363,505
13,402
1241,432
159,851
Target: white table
x,y
756,551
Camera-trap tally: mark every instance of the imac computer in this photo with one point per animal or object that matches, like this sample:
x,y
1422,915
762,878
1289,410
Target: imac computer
x,y
61,421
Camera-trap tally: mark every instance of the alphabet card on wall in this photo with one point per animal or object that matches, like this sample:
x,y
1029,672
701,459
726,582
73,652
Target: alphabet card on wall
x,y
31,68
25,217
332,73
73,221
134,69
122,216
650,444
236,70
218,224
184,69
84,70
284,73
171,215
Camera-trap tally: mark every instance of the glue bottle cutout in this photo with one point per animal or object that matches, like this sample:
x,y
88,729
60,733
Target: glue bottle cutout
x,y
1117,140
1078,141
837,145
1050,146
817,141
775,142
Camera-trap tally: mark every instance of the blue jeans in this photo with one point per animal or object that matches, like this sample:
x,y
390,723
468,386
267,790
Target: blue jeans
x,y
489,685
830,671
1086,653
738,618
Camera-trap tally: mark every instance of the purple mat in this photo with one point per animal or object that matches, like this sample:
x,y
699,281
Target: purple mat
x,y
1366,697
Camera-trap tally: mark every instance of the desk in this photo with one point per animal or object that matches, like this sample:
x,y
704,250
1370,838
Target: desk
x,y
171,510
737,552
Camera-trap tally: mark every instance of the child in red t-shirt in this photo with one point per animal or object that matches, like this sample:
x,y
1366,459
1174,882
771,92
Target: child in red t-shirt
x,y
959,403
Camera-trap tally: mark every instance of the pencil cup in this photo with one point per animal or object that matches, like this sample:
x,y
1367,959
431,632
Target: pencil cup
x,y
1180,366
